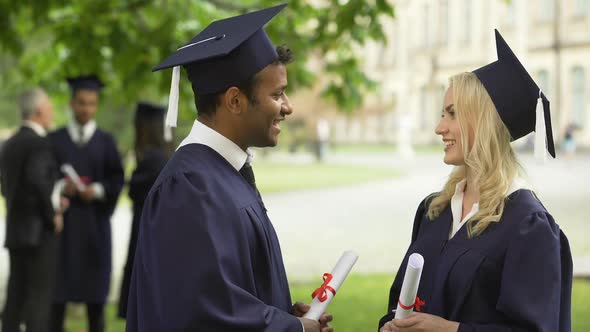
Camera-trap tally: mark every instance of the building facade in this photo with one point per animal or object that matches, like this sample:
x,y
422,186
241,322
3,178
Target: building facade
x,y
430,40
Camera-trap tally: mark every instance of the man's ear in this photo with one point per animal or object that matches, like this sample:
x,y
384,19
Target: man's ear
x,y
234,100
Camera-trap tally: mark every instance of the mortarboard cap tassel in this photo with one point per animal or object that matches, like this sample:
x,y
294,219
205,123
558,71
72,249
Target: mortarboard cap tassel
x,y
540,132
521,105
172,114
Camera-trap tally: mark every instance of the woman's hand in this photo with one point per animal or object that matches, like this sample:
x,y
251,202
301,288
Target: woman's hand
x,y
420,322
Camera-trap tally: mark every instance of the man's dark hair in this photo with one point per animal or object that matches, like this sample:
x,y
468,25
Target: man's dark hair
x,y
207,104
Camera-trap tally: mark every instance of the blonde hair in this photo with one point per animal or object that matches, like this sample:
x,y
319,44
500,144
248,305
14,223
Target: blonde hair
x,y
491,162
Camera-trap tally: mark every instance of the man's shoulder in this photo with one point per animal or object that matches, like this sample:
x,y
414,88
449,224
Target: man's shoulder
x,y
198,166
24,137
103,134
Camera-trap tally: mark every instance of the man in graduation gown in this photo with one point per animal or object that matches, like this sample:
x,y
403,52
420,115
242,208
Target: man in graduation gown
x,y
84,269
33,218
208,258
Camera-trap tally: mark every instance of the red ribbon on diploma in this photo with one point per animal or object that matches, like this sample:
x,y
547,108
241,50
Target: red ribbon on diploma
x,y
322,290
417,304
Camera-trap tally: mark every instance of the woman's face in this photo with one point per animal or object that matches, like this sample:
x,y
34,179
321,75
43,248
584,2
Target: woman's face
x,y
448,128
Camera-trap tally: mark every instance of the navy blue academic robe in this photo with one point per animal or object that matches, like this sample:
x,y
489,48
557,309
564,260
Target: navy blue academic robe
x,y
516,276
84,269
208,258
143,177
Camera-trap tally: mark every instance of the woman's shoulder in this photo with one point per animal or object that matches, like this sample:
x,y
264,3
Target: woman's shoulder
x,y
527,215
524,201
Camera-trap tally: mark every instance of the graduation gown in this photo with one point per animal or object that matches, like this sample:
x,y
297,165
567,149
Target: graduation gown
x,y
142,179
84,268
208,258
516,276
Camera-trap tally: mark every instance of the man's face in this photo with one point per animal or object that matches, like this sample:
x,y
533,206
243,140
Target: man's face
x,y
84,105
270,107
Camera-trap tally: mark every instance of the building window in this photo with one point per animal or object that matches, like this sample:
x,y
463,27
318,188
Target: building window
x,y
426,25
582,7
467,14
394,44
546,10
510,16
544,83
424,108
444,22
578,96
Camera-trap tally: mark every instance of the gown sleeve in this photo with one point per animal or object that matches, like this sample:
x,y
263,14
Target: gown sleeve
x,y
397,283
193,268
536,281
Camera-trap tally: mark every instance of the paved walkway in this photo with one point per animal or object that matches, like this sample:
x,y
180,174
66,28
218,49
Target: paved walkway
x,y
375,219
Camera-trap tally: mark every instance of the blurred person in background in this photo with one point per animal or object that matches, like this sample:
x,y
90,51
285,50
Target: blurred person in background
x,y
494,258
322,140
29,178
84,267
569,141
151,154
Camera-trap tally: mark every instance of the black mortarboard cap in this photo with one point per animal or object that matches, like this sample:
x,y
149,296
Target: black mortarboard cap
x,y
515,95
227,52
149,112
87,82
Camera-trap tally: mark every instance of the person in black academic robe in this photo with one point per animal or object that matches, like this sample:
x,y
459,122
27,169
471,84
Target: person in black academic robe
x,y
151,153
33,216
84,269
494,258
208,258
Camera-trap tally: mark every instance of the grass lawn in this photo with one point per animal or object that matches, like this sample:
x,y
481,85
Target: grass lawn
x,y
358,306
280,177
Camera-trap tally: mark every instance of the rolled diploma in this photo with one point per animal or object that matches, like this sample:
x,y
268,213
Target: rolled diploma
x,y
409,290
71,173
339,273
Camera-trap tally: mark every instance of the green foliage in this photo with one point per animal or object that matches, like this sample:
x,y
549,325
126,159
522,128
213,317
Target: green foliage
x,y
42,42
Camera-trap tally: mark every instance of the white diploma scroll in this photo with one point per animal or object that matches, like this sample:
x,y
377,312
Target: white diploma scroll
x,y
407,296
70,172
332,282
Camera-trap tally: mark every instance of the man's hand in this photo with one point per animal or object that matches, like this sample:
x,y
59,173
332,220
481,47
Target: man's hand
x,y
64,204
310,325
70,189
58,223
89,194
299,309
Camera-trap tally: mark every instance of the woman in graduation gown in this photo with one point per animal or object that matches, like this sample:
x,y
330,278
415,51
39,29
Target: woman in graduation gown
x,y
152,153
494,258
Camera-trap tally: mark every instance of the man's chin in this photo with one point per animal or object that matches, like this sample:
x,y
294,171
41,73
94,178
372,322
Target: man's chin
x,y
271,142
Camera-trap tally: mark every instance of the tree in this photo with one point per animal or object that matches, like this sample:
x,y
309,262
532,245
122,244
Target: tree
x,y
42,42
